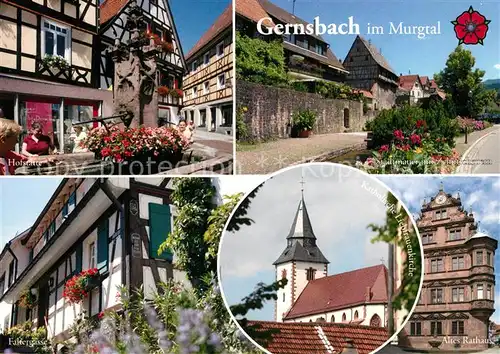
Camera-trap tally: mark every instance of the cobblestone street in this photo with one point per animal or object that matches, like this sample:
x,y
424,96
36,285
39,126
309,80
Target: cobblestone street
x,y
274,155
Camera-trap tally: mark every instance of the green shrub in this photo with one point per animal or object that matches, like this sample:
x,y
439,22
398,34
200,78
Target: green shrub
x,y
300,86
335,90
304,120
241,127
260,61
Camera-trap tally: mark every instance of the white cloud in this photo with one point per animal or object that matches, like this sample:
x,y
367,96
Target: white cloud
x,y
497,66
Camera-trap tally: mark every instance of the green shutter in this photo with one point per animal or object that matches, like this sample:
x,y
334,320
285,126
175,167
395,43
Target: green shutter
x,y
79,255
160,226
102,246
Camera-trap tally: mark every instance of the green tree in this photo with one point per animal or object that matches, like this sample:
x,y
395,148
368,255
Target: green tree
x,y
260,61
464,83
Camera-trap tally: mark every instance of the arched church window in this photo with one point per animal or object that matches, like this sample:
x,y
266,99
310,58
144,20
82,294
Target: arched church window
x,y
375,321
344,317
332,319
356,314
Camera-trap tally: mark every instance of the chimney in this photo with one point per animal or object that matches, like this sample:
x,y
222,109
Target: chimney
x,y
349,347
368,294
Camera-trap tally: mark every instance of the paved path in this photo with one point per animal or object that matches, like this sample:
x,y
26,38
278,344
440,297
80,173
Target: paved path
x,y
482,154
272,156
220,142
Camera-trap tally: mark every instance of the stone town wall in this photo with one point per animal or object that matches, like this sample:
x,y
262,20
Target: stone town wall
x,y
270,109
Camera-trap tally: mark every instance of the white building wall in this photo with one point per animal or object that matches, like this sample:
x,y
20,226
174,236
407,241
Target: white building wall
x,y
284,301
365,313
5,311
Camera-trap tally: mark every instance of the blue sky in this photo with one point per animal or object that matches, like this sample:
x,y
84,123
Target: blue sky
x,y
479,193
194,17
340,210
23,199
406,52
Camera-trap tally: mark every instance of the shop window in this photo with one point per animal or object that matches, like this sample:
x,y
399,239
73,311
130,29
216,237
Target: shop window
x,y
227,116
56,39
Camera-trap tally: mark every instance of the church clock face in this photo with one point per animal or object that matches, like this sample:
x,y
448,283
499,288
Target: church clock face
x,y
441,199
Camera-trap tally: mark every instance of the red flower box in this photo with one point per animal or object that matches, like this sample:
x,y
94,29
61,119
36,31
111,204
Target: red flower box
x,y
163,91
78,287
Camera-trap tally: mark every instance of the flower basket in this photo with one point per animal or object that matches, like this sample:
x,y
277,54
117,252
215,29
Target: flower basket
x,y
78,287
27,300
163,91
176,93
142,150
55,62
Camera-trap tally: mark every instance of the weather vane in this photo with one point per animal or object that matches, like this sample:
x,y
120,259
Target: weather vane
x,y
302,184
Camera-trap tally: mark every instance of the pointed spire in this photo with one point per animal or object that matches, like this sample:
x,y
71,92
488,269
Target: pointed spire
x,y
441,186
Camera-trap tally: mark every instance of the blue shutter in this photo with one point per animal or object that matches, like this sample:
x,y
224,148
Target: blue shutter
x,y
102,246
65,210
160,226
79,255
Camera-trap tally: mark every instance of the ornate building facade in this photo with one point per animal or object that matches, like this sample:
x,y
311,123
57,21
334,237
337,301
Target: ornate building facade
x,y
208,84
457,298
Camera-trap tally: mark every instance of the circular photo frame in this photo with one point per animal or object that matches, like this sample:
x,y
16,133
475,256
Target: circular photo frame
x,y
320,257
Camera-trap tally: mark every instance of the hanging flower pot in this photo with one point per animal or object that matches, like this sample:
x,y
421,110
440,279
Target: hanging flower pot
x,y
27,299
163,91
78,287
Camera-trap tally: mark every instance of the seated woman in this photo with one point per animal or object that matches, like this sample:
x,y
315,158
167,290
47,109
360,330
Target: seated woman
x,y
78,138
37,144
185,130
9,160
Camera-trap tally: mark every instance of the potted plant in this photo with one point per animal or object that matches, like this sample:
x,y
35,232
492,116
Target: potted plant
x,y
163,91
176,93
303,122
27,299
55,62
79,286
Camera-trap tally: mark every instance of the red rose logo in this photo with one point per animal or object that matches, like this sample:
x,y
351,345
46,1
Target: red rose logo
x,y
471,27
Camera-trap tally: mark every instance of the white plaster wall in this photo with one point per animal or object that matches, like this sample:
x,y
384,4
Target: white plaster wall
x,y
283,306
301,275
364,312
5,310
144,201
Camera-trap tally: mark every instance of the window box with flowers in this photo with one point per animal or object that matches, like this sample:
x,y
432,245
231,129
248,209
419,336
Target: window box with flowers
x,y
55,64
27,299
163,91
176,93
142,150
161,44
78,287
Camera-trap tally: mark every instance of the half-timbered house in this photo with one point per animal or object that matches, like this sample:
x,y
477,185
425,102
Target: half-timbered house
x,y
369,70
170,61
410,90
48,65
208,85
115,225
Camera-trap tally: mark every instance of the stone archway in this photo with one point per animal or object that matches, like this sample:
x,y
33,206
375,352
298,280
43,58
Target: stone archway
x,y
375,321
346,118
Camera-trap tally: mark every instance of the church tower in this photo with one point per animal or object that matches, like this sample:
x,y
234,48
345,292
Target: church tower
x,y
300,262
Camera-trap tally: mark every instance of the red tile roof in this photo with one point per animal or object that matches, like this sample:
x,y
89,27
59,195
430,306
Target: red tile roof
x,y
341,291
424,80
110,8
433,84
406,82
224,21
365,93
316,337
252,10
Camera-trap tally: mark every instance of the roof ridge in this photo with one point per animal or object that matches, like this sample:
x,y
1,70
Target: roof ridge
x,y
322,336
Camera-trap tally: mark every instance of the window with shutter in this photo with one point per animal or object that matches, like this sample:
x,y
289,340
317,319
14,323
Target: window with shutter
x,y
102,246
160,226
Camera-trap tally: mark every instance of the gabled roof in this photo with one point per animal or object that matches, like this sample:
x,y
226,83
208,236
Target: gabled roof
x,y
110,8
374,52
341,291
406,82
286,17
320,337
424,80
252,10
223,22
433,84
